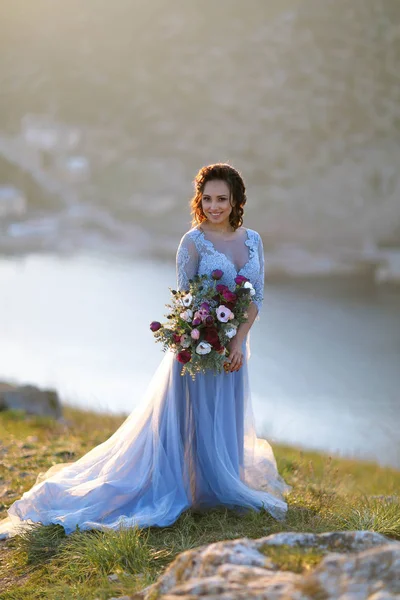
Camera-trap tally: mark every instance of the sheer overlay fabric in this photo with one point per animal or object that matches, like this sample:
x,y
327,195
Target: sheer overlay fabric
x,y
190,444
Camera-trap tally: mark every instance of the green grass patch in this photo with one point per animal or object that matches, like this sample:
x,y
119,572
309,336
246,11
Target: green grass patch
x,y
329,494
297,560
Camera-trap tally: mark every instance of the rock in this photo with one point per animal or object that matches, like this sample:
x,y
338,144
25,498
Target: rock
x,y
12,201
32,439
74,168
364,564
342,541
30,399
40,132
359,575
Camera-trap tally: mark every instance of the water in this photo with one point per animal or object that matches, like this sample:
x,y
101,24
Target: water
x,y
324,367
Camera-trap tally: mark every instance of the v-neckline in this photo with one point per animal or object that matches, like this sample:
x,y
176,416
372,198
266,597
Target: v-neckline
x,y
247,242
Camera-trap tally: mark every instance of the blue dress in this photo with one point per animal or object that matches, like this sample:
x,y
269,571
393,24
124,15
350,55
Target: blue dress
x,y
190,444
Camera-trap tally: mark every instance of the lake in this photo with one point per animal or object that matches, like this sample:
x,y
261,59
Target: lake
x,y
324,369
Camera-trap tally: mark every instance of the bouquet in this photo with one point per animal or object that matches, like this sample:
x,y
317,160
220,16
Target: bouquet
x,y
202,320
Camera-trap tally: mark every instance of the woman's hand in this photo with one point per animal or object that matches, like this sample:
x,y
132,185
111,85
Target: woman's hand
x,y
235,354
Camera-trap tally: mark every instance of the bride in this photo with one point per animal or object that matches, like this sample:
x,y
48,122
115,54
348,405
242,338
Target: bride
x,y
193,445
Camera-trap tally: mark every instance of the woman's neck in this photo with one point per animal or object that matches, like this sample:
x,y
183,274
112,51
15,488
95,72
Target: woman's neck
x,y
223,228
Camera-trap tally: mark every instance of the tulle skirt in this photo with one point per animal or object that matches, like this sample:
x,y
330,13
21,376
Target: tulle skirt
x,y
188,444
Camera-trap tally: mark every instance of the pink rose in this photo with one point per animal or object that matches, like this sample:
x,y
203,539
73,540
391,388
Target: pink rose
x,y
195,333
217,274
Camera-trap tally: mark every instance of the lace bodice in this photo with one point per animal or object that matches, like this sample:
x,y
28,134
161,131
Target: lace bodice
x,y
243,255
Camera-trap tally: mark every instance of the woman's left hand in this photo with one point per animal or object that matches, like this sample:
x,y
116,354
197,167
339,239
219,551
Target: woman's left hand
x,y
235,355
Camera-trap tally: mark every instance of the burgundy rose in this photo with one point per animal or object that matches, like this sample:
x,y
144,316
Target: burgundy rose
x,y
176,338
217,274
211,336
221,288
155,325
214,340
229,296
184,356
239,279
230,305
209,320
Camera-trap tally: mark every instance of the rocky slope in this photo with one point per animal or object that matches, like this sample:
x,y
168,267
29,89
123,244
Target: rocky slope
x,y
355,565
302,96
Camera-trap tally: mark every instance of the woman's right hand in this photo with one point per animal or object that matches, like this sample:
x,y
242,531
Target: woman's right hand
x,y
235,354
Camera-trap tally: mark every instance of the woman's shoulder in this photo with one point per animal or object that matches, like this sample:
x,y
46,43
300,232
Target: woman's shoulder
x,y
189,239
191,235
253,235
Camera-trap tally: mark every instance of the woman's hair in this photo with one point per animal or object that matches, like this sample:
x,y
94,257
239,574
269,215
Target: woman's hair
x,y
224,172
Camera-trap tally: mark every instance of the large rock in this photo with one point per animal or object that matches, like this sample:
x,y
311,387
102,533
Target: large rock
x,y
31,399
355,565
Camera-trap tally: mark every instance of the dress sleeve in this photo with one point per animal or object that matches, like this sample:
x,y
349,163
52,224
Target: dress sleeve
x,y
187,260
259,282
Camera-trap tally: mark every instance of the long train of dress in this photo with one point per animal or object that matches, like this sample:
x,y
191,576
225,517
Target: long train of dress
x,y
191,444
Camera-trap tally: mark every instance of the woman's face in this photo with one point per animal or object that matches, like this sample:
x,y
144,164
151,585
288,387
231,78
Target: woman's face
x,y
215,202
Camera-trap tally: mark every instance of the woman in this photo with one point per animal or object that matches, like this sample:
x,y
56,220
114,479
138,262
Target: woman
x,y
194,443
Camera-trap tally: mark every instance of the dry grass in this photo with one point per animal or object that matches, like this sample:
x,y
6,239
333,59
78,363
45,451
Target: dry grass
x,y
329,494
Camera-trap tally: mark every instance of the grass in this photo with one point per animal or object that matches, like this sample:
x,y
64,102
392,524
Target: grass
x,y
329,494
297,560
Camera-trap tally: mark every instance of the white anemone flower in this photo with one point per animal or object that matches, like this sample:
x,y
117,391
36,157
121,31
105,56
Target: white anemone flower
x,y
187,300
223,313
203,348
230,331
187,315
249,285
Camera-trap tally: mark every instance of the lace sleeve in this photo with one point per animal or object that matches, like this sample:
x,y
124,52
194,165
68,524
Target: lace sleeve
x,y
259,282
187,260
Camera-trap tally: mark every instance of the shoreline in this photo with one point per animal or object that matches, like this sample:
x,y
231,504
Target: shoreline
x,y
377,268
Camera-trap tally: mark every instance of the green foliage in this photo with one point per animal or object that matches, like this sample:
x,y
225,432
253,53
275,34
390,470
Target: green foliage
x,y
89,554
40,543
374,514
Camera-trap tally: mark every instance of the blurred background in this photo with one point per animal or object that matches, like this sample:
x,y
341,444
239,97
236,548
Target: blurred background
x,y
108,110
